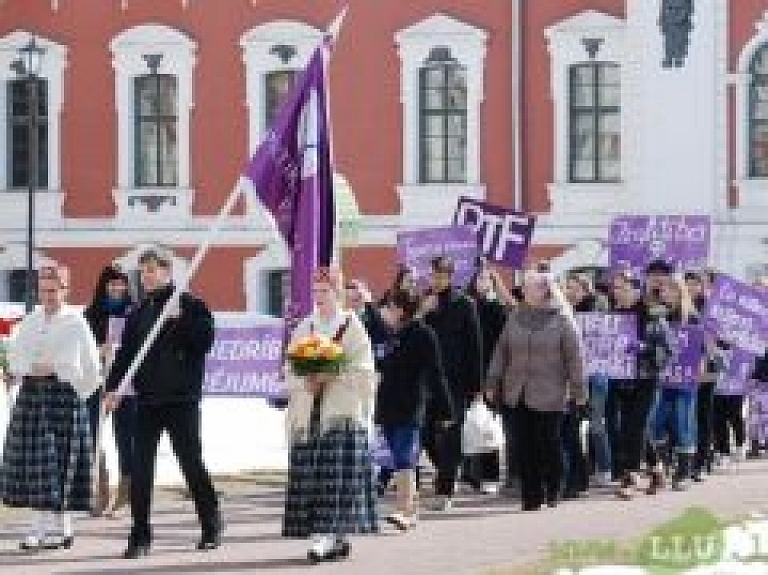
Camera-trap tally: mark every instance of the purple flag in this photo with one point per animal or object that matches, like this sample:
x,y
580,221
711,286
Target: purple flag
x,y
504,234
245,361
416,250
685,365
292,175
734,380
680,240
757,422
608,341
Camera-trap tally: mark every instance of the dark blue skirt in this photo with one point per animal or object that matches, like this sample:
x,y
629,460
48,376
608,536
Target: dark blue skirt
x,y
47,461
330,485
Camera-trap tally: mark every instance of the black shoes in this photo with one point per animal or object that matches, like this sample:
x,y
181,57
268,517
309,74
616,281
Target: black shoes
x,y
338,552
210,541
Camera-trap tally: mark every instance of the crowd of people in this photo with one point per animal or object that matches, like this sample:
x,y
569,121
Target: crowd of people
x,y
417,360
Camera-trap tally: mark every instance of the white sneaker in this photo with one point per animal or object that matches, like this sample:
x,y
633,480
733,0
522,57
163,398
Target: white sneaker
x,y
400,521
740,454
490,489
322,545
602,479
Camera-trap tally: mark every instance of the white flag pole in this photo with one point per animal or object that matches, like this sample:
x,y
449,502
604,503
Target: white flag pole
x,y
197,260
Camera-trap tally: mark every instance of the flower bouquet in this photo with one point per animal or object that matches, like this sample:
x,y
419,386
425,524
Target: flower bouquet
x,y
314,355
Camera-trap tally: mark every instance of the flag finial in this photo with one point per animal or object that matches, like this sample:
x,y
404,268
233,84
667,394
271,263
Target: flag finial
x,y
335,27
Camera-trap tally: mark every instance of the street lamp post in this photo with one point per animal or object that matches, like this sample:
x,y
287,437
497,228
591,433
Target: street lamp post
x,y
28,67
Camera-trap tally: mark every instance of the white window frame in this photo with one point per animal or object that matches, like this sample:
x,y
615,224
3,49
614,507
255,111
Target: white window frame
x,y
422,203
567,48
50,200
178,59
753,192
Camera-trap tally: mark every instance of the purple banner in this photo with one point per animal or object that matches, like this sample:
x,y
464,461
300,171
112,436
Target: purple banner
x,y
680,240
738,314
684,368
608,339
757,418
245,361
459,243
504,235
734,380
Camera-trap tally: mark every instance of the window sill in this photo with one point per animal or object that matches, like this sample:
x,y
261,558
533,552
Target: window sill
x,y
430,205
753,193
13,206
153,203
599,197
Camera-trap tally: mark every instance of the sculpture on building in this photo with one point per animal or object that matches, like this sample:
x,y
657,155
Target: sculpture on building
x,y
676,22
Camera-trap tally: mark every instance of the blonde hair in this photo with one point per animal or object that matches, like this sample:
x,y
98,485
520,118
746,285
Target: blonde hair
x,y
687,308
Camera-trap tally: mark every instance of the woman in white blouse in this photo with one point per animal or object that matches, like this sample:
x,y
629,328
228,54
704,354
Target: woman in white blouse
x,y
330,491
47,462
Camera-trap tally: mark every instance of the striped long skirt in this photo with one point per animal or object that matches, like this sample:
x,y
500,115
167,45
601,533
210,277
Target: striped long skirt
x,y
330,485
47,460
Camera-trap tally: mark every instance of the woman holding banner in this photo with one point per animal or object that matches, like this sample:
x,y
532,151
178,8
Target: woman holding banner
x,y
330,492
674,414
631,400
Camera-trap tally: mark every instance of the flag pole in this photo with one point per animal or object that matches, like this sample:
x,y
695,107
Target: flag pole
x,y
194,265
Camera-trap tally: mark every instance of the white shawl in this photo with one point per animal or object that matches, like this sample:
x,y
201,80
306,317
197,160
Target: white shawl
x,y
349,398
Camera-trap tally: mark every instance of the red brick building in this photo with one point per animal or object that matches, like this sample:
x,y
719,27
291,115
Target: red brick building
x,y
424,105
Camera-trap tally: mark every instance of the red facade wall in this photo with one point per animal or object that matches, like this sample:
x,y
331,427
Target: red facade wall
x,y
365,76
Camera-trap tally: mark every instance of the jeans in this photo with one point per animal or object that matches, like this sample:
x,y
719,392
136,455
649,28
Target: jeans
x,y
675,412
598,396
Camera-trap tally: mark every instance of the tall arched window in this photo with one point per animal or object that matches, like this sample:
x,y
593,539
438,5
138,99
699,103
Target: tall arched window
x,y
758,114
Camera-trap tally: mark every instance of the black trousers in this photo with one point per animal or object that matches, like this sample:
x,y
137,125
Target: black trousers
x,y
540,452
728,411
575,459
705,398
511,455
443,447
182,422
631,404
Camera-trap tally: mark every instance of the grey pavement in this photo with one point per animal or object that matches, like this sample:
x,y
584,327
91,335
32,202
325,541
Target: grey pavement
x,y
480,533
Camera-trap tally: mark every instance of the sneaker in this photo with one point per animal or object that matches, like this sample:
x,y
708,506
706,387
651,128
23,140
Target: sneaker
x,y
400,521
601,479
489,489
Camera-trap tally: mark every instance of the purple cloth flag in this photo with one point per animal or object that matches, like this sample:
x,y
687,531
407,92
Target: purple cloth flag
x,y
292,175
608,340
684,367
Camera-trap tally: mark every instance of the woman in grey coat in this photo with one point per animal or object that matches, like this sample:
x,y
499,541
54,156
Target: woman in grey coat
x,y
537,369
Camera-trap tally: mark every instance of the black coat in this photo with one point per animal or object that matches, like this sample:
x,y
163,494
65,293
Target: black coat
x,y
412,380
378,331
493,317
761,369
458,331
98,316
174,367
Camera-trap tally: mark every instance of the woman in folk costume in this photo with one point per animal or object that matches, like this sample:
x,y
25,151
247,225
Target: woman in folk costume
x,y
48,457
330,492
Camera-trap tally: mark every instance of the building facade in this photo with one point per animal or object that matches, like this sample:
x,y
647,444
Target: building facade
x,y
575,111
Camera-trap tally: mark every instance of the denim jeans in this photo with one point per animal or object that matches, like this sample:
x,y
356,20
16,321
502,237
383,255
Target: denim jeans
x,y
598,395
674,413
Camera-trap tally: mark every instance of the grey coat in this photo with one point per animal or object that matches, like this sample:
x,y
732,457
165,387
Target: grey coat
x,y
539,358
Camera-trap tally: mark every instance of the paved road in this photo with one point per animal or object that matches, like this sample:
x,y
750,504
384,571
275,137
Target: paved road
x,y
478,534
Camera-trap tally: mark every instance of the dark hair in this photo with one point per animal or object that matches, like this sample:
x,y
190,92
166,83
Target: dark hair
x,y
692,276
660,267
442,264
408,302
402,272
628,277
110,273
159,256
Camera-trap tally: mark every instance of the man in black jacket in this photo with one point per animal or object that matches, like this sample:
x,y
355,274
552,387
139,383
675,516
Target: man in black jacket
x,y
168,387
454,319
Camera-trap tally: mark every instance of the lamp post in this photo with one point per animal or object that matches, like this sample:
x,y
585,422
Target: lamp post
x,y
28,66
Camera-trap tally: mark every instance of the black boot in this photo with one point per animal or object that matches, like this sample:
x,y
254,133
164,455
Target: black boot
x,y
136,549
211,538
682,472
